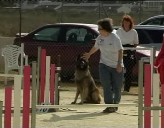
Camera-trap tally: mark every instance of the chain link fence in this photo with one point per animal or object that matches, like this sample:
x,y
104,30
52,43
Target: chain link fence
x,y
24,16
20,16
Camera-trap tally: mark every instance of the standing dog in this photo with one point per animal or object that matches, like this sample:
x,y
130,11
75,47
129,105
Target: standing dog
x,y
86,86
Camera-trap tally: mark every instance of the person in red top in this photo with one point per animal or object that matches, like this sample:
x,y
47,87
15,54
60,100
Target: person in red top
x,y
159,63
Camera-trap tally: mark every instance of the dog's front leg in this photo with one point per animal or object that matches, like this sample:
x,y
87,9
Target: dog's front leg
x,y
84,95
82,98
76,96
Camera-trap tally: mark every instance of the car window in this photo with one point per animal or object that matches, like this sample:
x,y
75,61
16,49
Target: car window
x,y
148,36
79,35
162,22
47,34
153,22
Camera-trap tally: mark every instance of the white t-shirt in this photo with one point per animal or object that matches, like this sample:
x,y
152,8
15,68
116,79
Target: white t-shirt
x,y
114,31
109,47
130,37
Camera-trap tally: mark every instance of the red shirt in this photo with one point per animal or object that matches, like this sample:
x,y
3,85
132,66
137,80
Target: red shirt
x,y
159,62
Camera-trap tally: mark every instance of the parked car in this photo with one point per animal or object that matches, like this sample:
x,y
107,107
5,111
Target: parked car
x,y
149,34
66,40
155,20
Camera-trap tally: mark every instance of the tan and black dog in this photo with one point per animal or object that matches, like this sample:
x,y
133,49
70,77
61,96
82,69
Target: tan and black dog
x,y
86,86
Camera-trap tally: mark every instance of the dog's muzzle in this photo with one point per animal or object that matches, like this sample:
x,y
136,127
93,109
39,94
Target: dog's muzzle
x,y
82,64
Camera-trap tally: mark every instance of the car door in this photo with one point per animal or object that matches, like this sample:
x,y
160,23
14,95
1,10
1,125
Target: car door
x,y
47,38
162,22
149,34
77,43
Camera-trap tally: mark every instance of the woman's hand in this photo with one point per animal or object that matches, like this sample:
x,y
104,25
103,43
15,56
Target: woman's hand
x,y
86,56
119,68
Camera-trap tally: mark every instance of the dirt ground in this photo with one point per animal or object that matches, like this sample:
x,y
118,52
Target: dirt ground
x,y
85,117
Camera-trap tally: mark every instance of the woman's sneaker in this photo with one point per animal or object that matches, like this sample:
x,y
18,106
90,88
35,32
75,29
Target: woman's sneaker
x,y
110,110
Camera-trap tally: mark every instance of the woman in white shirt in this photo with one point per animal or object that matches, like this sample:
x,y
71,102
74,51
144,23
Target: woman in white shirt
x,y
129,38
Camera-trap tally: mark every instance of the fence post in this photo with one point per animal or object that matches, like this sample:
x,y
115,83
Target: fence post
x,y
38,74
7,114
42,76
147,95
47,81
34,96
52,84
17,101
22,57
26,97
140,95
56,89
155,87
1,109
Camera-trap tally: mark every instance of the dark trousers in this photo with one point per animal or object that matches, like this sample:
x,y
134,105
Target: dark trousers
x,y
129,60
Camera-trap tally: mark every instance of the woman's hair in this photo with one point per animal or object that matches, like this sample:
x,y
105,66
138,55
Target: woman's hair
x,y
128,19
106,24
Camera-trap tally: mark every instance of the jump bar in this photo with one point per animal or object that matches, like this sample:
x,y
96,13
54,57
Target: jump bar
x,y
87,105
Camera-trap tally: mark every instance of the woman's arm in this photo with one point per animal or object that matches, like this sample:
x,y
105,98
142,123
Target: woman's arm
x,y
136,40
87,55
120,58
